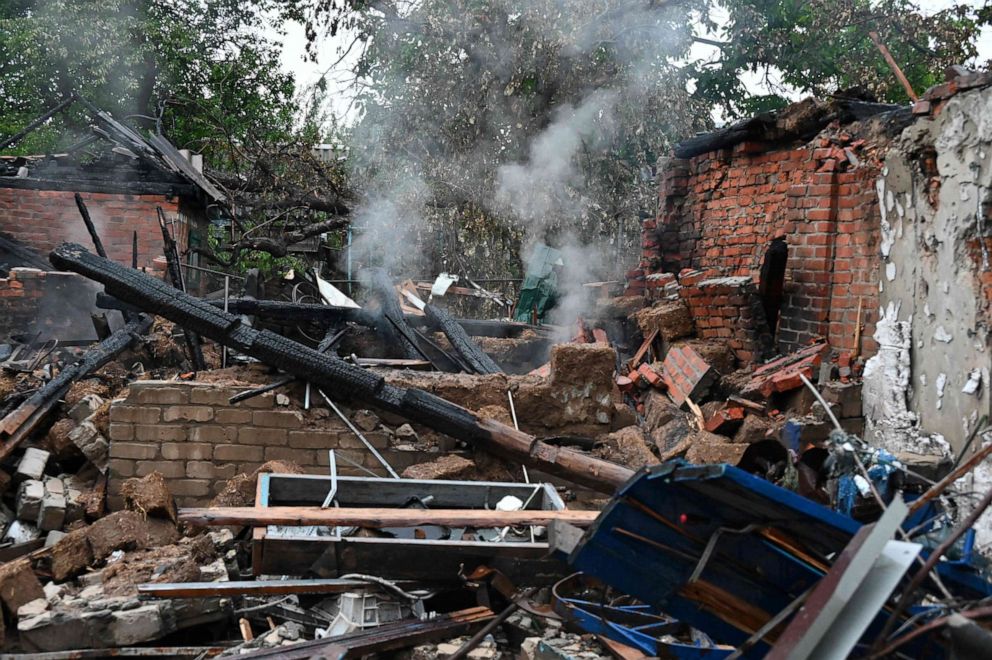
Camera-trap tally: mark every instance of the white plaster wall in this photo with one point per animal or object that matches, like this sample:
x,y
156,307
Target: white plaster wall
x,y
931,375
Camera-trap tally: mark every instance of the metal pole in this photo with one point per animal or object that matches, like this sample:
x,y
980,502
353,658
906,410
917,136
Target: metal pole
x,y
361,437
227,291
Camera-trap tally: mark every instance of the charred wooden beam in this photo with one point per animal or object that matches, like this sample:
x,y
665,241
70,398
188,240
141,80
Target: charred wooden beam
x,y
335,375
88,221
375,518
17,137
393,331
191,339
25,418
275,310
469,351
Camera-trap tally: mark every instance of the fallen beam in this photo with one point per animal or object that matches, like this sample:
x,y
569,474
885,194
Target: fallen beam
x,y
252,588
275,310
375,518
467,349
22,420
336,376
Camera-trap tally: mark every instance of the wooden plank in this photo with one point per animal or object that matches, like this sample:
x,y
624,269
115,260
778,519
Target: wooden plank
x,y
247,588
302,516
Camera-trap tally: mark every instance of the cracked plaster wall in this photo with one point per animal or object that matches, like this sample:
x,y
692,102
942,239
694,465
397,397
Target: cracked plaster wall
x,y
933,326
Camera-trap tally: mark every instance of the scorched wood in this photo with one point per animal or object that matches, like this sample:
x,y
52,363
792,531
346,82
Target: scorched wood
x,y
191,339
20,422
469,351
335,375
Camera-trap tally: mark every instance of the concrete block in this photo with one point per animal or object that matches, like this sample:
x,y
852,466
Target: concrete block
x,y
169,469
159,433
314,439
129,627
281,419
188,414
190,487
249,435
74,508
52,514
53,537
192,451
135,414
239,453
213,434
94,446
32,464
298,456
156,392
132,450
29,496
232,416
121,432
208,470
86,406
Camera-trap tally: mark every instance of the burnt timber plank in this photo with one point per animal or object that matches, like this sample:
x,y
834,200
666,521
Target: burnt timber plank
x,y
303,516
336,376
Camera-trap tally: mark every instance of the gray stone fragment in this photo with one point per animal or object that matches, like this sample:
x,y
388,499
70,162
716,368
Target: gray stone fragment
x,y
21,532
88,405
32,464
93,445
53,537
52,514
29,496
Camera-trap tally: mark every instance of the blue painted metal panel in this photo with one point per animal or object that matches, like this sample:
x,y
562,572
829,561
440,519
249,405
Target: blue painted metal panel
x,y
648,541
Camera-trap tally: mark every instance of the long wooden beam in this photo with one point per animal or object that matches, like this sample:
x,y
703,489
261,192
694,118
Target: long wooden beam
x,y
251,588
337,377
303,516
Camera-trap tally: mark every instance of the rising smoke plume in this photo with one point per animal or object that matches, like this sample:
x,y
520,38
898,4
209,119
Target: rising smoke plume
x,y
523,122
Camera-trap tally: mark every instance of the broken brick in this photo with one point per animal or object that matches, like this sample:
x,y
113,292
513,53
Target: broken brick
x,y
650,376
686,374
18,584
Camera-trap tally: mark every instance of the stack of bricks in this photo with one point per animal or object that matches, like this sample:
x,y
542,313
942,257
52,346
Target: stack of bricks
x,y
722,210
43,219
191,435
728,308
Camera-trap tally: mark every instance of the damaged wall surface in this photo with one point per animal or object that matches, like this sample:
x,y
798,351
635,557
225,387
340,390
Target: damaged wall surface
x,y
724,210
936,279
43,219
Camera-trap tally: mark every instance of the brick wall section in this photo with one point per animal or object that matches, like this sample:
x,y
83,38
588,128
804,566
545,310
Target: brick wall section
x,y
54,303
721,211
730,309
189,433
43,219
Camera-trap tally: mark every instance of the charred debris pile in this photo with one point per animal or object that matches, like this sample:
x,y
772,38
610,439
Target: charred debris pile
x,y
655,479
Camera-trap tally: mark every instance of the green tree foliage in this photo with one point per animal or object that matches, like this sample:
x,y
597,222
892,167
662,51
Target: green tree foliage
x,y
201,71
820,46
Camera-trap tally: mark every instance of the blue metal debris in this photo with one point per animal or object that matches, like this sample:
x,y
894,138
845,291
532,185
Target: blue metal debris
x,y
724,551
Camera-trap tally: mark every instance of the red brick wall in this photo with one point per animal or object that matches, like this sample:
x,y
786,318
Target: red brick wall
x,y
721,211
43,219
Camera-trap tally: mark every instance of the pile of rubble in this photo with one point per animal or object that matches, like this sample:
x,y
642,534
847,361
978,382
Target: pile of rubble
x,y
658,408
